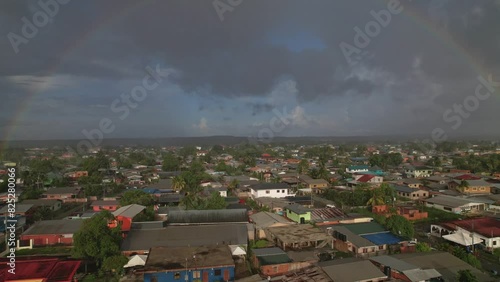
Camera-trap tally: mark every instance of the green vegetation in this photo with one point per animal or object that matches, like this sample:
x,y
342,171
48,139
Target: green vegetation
x,y
259,244
44,251
435,215
97,242
386,160
171,162
422,247
478,164
401,226
136,197
361,196
465,275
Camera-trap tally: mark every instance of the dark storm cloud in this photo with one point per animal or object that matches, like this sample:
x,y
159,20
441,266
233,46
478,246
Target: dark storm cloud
x,y
114,40
258,108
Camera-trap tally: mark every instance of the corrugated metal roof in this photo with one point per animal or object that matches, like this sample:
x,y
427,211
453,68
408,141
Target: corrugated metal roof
x,y
394,263
129,211
207,216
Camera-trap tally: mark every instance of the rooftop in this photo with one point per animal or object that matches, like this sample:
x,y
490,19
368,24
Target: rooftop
x,y
51,269
20,208
60,226
486,226
350,271
207,216
298,233
182,236
129,211
449,201
267,219
365,228
174,258
445,263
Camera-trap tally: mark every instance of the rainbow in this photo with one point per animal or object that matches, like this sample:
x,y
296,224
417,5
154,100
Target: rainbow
x,y
411,14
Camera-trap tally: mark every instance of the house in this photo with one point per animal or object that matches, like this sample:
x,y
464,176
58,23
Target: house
x,y
52,232
484,231
437,179
298,236
124,216
315,184
109,205
264,220
411,193
411,213
53,205
39,269
368,178
412,183
139,241
66,194
212,263
297,213
362,239
75,175
454,204
20,210
357,168
408,212
402,271
352,269
272,190
443,262
418,172
274,261
470,186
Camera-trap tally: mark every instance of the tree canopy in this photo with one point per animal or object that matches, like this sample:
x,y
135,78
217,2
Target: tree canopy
x,y
138,197
465,275
170,162
399,225
95,240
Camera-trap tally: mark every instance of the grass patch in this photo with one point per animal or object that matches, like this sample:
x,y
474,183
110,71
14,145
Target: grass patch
x,y
44,251
435,215
259,244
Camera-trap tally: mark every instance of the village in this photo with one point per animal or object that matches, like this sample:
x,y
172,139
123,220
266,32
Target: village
x,y
251,213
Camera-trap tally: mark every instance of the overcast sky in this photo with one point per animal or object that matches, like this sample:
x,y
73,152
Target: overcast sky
x,y
227,70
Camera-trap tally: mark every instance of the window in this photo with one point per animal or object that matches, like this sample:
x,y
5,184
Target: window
x,y
196,274
381,247
482,189
177,275
278,191
217,272
267,191
283,191
365,250
413,195
494,243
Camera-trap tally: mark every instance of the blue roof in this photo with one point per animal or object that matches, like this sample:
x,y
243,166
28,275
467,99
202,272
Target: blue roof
x,y
151,190
359,167
383,238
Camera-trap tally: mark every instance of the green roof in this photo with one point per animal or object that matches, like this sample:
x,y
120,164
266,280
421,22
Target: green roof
x,y
274,259
365,228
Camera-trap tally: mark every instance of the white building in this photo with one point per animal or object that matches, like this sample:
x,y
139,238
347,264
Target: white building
x,y
271,190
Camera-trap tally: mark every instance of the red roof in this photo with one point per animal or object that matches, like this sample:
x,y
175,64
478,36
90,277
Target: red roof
x,y
487,226
266,155
467,177
366,178
51,269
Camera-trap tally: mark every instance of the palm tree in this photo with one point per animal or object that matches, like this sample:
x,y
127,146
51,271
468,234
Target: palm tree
x,y
376,198
178,183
